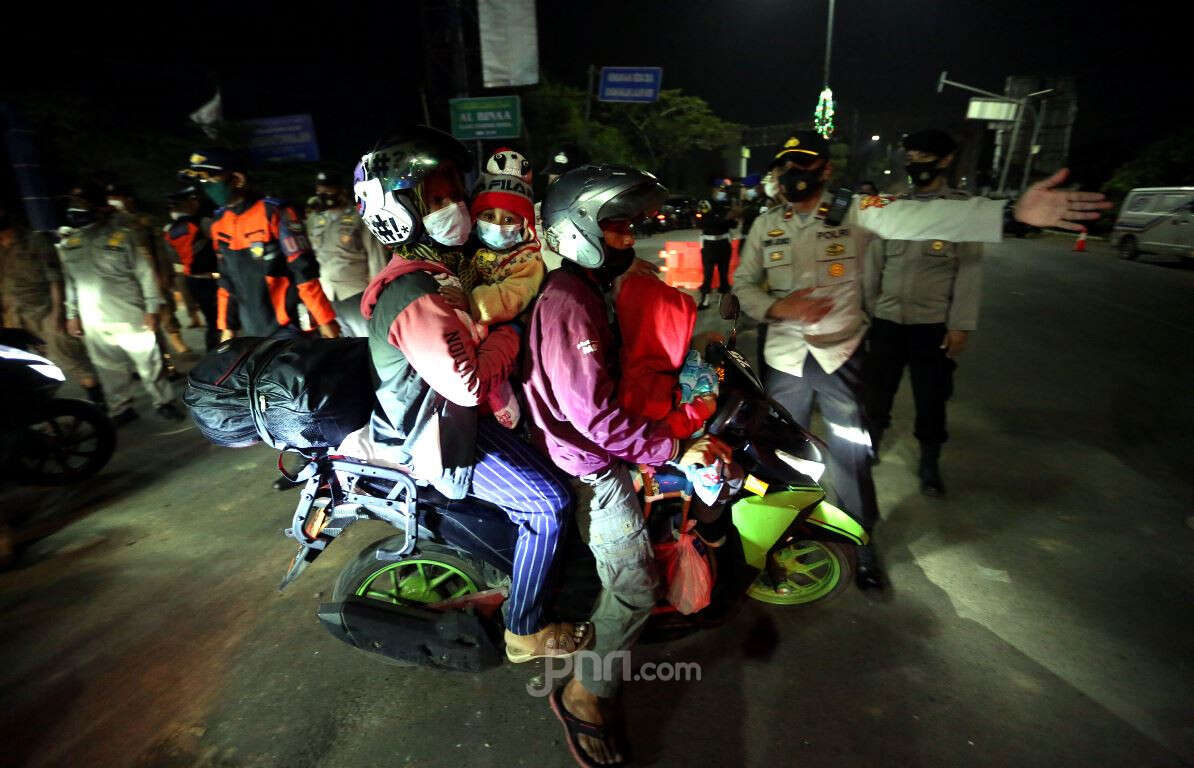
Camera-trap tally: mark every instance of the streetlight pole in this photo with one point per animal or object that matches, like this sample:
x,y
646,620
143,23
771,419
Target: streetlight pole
x,y
828,44
1021,106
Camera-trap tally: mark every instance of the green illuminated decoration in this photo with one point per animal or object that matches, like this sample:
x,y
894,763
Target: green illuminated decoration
x,y
823,117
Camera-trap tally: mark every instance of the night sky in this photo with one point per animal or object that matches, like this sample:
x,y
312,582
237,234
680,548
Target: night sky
x,y
356,67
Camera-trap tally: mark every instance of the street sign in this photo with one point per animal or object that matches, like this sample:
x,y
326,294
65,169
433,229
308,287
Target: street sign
x,y
488,117
287,138
991,110
634,84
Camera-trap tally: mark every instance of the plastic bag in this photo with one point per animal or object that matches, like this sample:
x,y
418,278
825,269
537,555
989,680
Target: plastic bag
x,y
689,580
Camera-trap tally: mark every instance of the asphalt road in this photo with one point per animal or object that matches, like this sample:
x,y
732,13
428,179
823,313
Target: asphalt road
x,y
1041,614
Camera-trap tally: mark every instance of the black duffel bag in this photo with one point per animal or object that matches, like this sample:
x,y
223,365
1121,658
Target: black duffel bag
x,y
292,393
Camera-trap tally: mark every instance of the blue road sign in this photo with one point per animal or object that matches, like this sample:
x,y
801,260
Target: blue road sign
x,y
639,84
287,138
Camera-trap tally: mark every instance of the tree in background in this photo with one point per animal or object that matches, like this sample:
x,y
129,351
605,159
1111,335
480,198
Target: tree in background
x,y
671,128
1168,162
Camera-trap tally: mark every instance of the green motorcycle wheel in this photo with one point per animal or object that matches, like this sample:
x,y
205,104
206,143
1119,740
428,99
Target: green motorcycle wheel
x,y
814,571
431,574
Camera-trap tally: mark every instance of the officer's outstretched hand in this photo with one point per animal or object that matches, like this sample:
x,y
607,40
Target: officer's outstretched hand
x,y
74,327
1044,206
801,306
330,330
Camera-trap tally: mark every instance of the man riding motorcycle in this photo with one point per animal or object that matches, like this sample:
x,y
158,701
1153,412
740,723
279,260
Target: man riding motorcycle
x,y
571,372
434,368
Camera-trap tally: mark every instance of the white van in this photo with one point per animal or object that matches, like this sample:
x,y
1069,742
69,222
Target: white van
x,y
1156,220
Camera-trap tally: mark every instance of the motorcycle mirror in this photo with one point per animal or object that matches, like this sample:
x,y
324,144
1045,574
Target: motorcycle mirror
x,y
730,308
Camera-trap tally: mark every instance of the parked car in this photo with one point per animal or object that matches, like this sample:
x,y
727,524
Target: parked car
x,y
678,213
1156,220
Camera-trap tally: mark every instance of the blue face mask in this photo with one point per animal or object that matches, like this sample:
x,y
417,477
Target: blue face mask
x,y
499,236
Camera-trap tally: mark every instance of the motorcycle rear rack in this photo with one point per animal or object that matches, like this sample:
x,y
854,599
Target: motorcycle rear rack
x,y
398,508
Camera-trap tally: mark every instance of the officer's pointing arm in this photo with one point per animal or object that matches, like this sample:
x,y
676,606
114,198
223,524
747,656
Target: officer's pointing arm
x,y
143,269
978,219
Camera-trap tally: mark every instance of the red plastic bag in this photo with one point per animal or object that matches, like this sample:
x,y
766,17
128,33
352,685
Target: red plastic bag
x,y
689,580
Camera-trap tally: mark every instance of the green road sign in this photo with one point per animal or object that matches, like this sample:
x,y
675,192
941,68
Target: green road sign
x,y
489,117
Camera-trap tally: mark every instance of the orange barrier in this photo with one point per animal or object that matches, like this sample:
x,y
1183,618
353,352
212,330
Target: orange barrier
x,y
682,264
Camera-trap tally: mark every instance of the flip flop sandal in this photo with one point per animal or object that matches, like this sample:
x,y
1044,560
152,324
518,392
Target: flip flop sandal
x,y
523,655
574,727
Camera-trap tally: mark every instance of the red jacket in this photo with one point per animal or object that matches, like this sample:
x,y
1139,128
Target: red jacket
x,y
656,321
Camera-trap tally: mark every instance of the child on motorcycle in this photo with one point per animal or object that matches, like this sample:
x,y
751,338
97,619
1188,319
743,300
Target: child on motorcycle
x,y
507,269
664,380
434,365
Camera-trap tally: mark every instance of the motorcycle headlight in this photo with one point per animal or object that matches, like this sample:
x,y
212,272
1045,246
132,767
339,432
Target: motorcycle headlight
x,y
813,469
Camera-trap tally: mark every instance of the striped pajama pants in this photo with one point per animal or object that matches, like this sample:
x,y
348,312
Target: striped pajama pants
x,y
514,476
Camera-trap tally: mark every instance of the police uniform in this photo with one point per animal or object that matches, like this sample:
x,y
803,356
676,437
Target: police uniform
x,y
110,287
822,361
28,268
715,247
349,256
916,291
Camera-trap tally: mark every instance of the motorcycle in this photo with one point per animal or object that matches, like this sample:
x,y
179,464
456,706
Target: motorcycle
x,y
45,439
431,593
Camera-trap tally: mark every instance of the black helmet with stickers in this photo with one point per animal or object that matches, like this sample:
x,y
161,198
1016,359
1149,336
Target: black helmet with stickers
x,y
387,181
581,199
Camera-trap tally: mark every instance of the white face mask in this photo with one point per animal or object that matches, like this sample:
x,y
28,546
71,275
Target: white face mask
x,y
719,196
176,215
499,236
449,226
770,186
116,203
751,194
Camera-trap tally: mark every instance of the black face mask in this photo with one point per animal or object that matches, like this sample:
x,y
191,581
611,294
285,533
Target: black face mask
x,y
923,174
617,261
79,217
799,184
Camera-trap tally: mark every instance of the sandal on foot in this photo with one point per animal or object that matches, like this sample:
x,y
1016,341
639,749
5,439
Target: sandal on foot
x,y
556,640
575,727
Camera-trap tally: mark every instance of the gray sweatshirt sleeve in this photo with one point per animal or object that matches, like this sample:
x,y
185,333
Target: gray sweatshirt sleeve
x,y
376,254
968,287
749,277
978,219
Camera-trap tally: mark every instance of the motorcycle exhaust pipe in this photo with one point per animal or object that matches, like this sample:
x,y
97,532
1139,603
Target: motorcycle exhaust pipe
x,y
452,640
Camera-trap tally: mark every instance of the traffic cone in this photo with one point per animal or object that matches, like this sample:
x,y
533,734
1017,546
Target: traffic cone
x,y
1080,243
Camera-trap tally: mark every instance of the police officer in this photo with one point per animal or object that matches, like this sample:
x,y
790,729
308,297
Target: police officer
x,y
112,301
33,298
717,219
189,237
924,298
348,255
801,274
263,256
124,207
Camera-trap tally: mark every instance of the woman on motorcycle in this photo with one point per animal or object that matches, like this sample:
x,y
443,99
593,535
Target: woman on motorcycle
x,y
433,370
